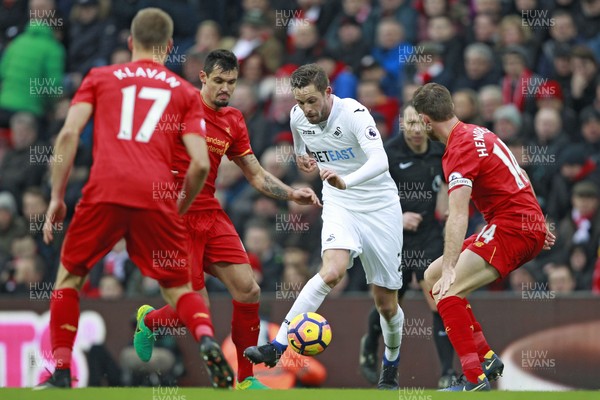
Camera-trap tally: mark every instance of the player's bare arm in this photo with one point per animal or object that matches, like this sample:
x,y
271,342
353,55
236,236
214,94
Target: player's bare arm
x,y
456,229
269,185
196,173
64,154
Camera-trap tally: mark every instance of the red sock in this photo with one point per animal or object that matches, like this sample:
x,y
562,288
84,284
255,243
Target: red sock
x,y
165,316
195,315
245,326
482,345
64,319
458,326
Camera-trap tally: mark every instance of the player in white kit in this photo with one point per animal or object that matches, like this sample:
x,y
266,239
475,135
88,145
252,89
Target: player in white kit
x,y
361,210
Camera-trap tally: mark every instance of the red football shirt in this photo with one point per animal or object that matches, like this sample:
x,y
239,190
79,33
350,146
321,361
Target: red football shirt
x,y
226,134
141,110
477,158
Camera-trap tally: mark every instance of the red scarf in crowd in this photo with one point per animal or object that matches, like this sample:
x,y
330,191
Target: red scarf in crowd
x,y
516,96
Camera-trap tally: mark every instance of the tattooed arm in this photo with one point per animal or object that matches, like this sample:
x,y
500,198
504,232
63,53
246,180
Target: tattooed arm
x,y
269,185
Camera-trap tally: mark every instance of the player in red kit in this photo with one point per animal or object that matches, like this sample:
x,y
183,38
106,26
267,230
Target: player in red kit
x,y
213,242
131,191
477,165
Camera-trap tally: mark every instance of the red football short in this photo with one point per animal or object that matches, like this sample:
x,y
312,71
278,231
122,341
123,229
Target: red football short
x,y
506,245
155,240
212,238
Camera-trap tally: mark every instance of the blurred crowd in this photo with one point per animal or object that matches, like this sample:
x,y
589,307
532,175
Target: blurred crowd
x,y
526,69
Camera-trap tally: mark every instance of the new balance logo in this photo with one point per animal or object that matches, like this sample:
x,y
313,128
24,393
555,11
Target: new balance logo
x,y
68,327
201,315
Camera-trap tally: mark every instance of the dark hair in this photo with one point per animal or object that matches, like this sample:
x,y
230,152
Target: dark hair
x,y
220,58
435,101
310,74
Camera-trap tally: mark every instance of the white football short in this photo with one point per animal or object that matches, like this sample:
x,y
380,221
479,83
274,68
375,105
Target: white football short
x,y
375,237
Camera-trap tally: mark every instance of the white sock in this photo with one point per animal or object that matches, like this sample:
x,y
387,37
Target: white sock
x,y
309,300
392,334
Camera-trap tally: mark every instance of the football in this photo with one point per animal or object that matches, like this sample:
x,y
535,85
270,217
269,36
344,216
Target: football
x,y
309,334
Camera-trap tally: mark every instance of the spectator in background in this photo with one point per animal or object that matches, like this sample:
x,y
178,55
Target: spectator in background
x,y
563,33
582,267
92,37
561,67
587,17
306,45
443,33
466,106
430,66
590,131
480,68
245,99
403,12
342,81
512,32
550,96
318,12
351,47
254,72
485,30
561,280
490,99
429,9
256,35
35,205
193,64
371,70
22,276
543,151
574,166
31,71
361,11
296,268
208,37
13,18
258,240
519,83
584,69
391,43
507,122
26,163
371,95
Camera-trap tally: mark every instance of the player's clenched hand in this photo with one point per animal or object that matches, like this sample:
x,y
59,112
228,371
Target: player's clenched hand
x,y
306,163
333,179
57,210
549,240
411,221
442,286
305,196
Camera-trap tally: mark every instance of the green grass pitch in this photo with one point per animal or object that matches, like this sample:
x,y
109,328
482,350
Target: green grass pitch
x,y
174,393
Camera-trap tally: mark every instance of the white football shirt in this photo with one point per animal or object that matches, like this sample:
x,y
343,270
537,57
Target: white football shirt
x,y
337,144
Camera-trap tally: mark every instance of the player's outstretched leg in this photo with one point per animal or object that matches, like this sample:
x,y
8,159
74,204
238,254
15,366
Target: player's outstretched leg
x,y
310,298
245,327
492,365
367,359
194,314
391,320
64,321
148,321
